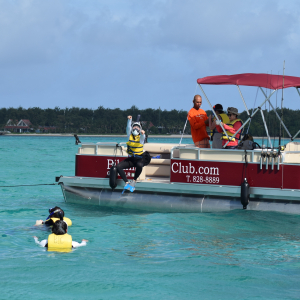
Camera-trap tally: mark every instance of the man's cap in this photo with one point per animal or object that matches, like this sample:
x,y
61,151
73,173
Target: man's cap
x,y
232,110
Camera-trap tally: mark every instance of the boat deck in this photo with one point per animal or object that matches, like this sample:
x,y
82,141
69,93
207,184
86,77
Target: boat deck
x,y
156,179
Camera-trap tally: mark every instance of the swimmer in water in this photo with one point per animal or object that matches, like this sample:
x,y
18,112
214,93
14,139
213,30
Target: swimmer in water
x,y
55,213
60,240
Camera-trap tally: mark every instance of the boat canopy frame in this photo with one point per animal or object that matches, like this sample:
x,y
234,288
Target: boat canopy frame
x,y
251,79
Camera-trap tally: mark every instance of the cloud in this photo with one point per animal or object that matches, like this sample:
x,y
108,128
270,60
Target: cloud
x,y
30,33
147,53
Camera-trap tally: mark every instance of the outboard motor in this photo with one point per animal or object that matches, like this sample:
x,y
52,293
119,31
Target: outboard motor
x,y
245,192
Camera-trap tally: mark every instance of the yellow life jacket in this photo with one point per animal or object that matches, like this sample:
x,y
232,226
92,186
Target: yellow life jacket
x,y
237,137
134,147
60,243
225,120
67,220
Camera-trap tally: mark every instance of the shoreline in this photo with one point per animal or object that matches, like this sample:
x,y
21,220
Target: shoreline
x,y
93,135
185,136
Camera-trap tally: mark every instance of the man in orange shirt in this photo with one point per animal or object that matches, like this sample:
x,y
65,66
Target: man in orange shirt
x,y
198,120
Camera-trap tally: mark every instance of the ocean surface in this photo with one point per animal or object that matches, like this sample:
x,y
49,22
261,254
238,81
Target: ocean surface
x,y
228,255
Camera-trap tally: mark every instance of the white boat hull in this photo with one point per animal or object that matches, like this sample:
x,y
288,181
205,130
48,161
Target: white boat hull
x,y
180,199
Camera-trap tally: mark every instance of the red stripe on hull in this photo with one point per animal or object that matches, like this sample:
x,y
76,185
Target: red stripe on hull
x,y
98,166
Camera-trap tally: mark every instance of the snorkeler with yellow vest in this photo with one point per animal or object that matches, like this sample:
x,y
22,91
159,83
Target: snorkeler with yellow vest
x,y
135,144
216,136
55,213
59,240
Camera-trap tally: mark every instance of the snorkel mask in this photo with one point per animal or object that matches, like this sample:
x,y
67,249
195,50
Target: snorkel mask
x,y
136,131
52,211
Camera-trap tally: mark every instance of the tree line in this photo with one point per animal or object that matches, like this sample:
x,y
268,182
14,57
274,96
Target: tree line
x,y
113,121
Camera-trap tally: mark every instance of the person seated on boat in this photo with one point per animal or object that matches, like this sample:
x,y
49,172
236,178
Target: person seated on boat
x,y
55,213
231,128
247,143
198,120
60,240
136,139
216,136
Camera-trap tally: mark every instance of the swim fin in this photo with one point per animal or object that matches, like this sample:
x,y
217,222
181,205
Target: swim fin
x,y
128,187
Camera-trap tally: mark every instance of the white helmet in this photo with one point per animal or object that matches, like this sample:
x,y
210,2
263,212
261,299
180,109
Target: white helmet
x,y
135,131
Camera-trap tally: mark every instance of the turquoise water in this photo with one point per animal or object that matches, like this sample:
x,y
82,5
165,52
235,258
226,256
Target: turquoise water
x,y
228,255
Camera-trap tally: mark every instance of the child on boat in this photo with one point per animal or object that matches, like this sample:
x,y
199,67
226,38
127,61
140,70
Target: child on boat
x,y
59,240
136,139
216,136
55,213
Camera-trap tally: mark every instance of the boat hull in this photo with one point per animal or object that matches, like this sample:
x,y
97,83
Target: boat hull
x,y
170,202
188,179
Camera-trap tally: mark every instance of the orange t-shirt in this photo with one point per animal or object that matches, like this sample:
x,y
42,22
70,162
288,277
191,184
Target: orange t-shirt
x,y
198,127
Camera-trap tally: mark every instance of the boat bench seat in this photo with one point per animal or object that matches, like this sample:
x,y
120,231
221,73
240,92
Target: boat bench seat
x,y
160,161
158,167
292,146
291,154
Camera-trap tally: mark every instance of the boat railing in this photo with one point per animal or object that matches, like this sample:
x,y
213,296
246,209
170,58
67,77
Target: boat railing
x,y
103,148
264,157
195,153
163,153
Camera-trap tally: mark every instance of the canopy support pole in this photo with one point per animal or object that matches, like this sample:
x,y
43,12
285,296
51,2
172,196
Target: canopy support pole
x,y
299,130
277,116
183,130
295,135
243,100
281,114
266,127
250,117
213,111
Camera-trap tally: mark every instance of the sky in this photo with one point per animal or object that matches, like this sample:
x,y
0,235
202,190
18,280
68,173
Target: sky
x,y
117,53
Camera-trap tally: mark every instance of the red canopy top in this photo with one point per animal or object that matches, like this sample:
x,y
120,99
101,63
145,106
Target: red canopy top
x,y
269,81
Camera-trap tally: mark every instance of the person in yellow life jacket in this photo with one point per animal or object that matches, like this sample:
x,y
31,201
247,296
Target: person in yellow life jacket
x,y
135,144
55,213
60,240
216,136
231,128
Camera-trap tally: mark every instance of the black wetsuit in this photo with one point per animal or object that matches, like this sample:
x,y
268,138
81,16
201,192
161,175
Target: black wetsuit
x,y
128,163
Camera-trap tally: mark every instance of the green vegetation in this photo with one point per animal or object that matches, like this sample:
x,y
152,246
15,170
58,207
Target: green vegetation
x,y
113,121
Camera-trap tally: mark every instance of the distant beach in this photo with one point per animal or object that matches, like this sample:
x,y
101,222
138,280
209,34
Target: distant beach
x,y
96,135
171,136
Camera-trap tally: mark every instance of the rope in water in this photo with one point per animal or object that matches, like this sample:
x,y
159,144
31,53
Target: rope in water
x,y
27,185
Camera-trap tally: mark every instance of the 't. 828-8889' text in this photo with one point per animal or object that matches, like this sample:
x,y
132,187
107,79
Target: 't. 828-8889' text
x,y
202,179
